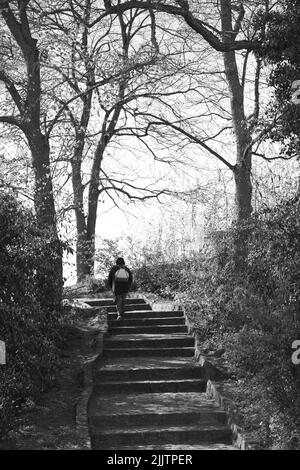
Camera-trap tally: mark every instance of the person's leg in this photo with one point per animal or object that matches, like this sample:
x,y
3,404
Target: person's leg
x,y
123,304
119,302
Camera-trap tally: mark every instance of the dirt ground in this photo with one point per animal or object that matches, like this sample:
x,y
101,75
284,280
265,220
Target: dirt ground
x,y
50,423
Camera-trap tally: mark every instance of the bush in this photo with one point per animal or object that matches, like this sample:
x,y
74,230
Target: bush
x,y
163,278
252,314
27,253
29,328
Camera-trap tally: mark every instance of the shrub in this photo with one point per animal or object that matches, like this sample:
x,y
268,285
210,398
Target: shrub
x,y
253,315
29,328
164,278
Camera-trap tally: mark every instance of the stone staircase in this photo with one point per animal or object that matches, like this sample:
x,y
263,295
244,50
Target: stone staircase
x,y
149,393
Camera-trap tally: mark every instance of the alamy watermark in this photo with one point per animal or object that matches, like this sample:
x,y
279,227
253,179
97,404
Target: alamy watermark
x,y
296,354
2,352
295,92
295,99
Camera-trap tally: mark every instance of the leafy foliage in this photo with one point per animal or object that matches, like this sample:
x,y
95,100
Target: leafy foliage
x,y
280,47
256,318
253,315
30,330
106,256
165,278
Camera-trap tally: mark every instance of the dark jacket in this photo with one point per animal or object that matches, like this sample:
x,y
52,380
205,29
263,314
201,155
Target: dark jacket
x,y
119,287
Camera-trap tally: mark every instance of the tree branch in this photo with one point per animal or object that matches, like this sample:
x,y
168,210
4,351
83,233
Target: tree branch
x,y
254,116
20,32
98,84
263,133
182,11
238,22
13,121
12,90
190,136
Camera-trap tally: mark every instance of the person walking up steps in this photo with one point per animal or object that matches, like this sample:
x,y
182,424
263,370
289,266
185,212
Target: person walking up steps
x,y
120,280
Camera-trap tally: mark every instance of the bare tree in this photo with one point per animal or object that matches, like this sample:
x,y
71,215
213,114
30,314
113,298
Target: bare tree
x,y
219,26
108,74
23,88
125,75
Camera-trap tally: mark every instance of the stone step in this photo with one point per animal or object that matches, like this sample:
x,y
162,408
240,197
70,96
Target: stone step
x,y
189,402
175,447
110,301
152,435
148,314
148,368
135,351
154,386
148,389
203,415
147,321
162,329
130,308
146,374
135,341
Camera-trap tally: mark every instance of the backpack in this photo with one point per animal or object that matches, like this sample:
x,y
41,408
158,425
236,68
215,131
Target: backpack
x,y
121,275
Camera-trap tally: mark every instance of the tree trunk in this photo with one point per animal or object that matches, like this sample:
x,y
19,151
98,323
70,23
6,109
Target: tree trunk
x,y
243,193
82,248
46,217
242,170
50,274
93,201
108,129
29,107
83,264
86,226
43,194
